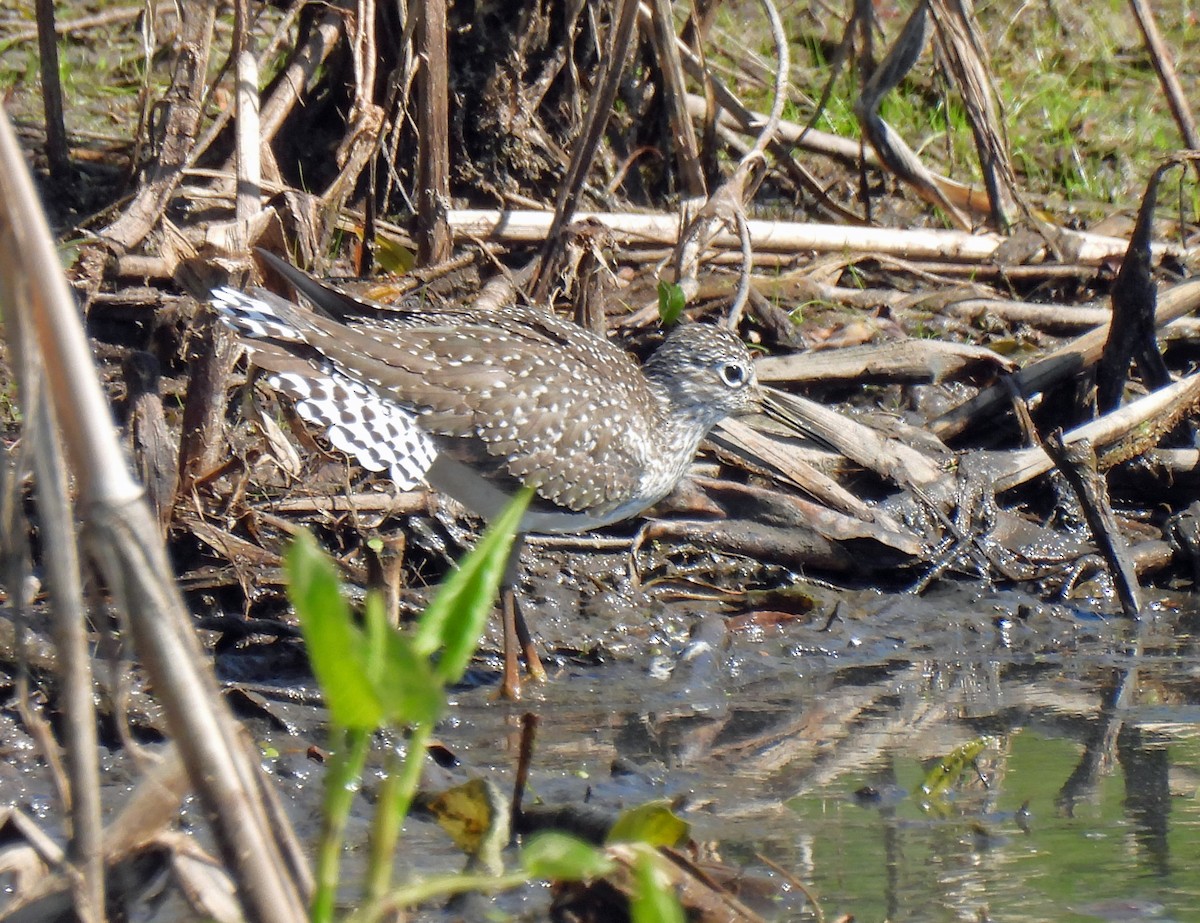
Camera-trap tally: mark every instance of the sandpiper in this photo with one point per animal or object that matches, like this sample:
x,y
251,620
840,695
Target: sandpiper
x,y
477,402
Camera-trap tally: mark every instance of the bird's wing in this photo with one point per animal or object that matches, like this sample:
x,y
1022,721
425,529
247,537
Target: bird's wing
x,y
561,415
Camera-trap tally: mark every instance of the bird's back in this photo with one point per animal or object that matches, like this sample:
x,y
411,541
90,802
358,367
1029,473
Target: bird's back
x,y
510,396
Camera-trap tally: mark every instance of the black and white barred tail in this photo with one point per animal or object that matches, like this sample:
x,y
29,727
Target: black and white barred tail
x,y
377,432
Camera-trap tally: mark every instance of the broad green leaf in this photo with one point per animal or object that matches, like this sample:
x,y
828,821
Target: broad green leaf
x,y
671,302
407,685
652,823
454,620
337,650
653,899
561,857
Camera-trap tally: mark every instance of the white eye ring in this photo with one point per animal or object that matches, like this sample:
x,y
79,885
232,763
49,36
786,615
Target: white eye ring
x,y
734,375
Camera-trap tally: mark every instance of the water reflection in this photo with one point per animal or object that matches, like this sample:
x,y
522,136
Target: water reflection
x,y
810,745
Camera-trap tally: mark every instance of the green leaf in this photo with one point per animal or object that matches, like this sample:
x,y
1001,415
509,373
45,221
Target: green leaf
x,y
407,685
948,769
671,302
652,823
337,650
561,857
653,899
394,257
455,619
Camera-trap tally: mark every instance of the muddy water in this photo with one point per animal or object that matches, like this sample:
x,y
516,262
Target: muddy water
x,y
807,741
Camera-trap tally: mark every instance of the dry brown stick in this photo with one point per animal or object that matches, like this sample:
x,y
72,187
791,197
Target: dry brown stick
x,y
529,727
781,456
95,21
395,117
148,99
292,82
399,114
125,540
1057,318
366,53
762,143
201,441
898,360
733,317
364,127
79,786
52,95
799,180
65,584
1164,65
726,206
892,150
282,31
585,146
745,120
1119,435
520,225
889,458
966,57
154,451
792,547
687,151
131,556
1077,462
636,252
434,241
150,808
18,569
1063,362
1050,317
179,136
845,150
248,147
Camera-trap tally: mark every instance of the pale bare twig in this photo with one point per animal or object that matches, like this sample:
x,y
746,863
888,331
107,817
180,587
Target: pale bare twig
x,y
127,544
1164,66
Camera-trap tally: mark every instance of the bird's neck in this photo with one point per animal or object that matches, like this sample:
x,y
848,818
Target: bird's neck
x,y
677,431
681,424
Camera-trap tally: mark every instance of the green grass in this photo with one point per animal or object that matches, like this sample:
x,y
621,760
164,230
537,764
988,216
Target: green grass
x,y
1085,116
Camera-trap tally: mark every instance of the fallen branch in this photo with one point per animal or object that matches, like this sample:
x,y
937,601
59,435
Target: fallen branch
x,y
527,226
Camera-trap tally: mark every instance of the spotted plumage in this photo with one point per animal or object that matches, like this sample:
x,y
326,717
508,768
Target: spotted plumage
x,y
477,401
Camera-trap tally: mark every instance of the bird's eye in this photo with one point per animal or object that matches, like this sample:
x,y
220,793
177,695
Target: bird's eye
x,y
733,375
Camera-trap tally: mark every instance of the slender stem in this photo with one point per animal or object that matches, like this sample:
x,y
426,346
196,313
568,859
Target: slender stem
x,y
395,800
437,886
345,776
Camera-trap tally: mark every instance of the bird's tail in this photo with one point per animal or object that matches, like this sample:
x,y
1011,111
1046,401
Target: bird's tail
x,y
378,433
258,315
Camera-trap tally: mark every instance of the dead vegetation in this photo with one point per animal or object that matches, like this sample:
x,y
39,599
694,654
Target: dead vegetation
x,y
1000,394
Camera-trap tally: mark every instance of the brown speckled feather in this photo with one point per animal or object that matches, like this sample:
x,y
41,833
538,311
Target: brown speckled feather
x,y
503,395
514,395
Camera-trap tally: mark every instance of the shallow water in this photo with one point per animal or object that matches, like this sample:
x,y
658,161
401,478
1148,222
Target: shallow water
x,y
809,746
805,740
